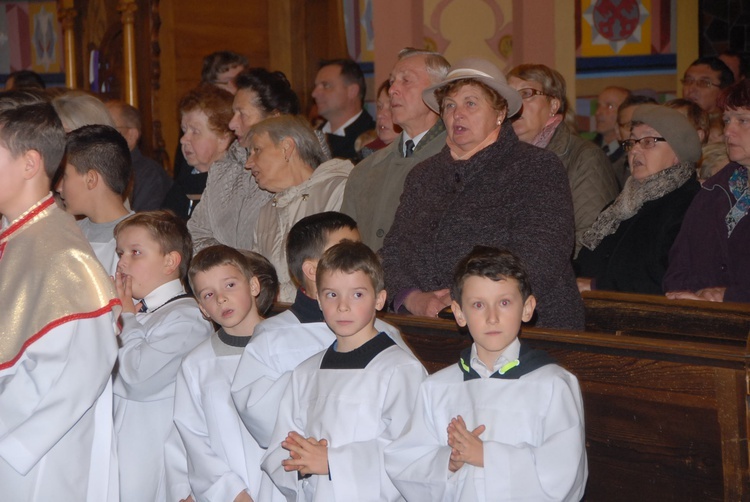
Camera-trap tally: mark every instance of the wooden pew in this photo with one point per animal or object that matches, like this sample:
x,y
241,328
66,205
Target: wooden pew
x,y
666,419
658,317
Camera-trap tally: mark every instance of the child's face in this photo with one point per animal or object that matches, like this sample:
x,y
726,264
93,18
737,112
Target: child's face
x,y
349,304
142,259
11,174
226,296
73,190
493,310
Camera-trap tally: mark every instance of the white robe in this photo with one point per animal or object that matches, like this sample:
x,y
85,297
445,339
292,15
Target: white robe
x,y
102,239
223,458
56,435
153,345
534,444
359,412
279,345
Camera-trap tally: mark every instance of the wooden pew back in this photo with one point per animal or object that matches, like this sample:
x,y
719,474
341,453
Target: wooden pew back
x,y
665,419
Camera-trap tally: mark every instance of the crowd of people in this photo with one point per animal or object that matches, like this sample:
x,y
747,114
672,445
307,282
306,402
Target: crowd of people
x,y
470,193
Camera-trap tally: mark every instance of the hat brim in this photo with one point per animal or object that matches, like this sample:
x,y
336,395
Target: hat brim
x,y
510,94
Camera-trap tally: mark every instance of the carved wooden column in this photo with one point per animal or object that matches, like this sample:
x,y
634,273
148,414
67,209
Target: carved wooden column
x,y
66,13
128,8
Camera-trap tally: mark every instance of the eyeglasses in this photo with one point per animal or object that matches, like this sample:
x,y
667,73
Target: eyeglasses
x,y
703,84
646,143
528,92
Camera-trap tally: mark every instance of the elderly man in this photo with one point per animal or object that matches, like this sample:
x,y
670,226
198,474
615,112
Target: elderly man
x,y
150,182
608,102
375,185
339,94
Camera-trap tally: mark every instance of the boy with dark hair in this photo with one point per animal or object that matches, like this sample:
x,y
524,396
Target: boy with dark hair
x,y
96,176
514,419
345,404
58,335
283,341
154,249
234,290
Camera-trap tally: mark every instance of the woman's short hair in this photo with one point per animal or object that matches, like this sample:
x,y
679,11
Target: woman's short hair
x,y
695,114
298,130
275,93
553,83
77,109
735,96
497,102
216,103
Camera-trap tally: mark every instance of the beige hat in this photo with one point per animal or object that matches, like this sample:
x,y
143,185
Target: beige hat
x,y
674,127
483,71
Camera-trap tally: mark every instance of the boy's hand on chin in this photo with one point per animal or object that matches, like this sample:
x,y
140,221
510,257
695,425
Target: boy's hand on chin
x,y
124,287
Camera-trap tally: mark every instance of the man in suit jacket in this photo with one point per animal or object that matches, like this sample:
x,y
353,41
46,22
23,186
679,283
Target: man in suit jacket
x,y
339,94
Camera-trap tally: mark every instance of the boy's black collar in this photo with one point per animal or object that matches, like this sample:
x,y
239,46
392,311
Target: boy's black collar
x,y
231,340
529,360
358,358
305,309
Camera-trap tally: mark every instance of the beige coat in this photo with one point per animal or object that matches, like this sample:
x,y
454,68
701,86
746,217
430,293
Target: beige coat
x,y
323,191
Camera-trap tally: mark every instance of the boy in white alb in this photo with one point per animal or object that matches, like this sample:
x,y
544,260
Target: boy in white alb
x,y
97,173
234,289
58,340
345,404
282,342
505,423
154,249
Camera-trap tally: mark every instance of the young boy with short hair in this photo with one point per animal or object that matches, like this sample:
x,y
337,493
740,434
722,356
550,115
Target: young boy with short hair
x,y
97,173
505,423
235,290
58,331
154,249
345,404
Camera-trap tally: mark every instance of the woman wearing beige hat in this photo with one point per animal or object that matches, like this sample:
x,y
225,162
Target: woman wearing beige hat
x,y
627,247
485,187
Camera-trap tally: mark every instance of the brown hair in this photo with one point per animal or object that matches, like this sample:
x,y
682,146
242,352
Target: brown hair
x,y
167,230
497,102
349,257
214,102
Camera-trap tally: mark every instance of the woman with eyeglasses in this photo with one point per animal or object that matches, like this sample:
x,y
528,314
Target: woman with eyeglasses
x,y
710,259
627,247
542,123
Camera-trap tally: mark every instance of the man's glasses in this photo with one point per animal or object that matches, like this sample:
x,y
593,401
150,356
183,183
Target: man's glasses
x,y
646,143
703,84
528,92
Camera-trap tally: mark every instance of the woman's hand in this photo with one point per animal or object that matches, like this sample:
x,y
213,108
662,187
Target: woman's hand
x,y
428,303
584,284
706,294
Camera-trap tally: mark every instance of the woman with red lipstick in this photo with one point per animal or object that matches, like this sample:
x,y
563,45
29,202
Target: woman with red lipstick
x,y
485,187
710,259
627,247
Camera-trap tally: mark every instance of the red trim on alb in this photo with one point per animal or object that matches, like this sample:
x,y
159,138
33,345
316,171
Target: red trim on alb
x,y
56,323
44,205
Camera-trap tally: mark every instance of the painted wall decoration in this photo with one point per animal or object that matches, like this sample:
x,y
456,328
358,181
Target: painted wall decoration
x,y
31,39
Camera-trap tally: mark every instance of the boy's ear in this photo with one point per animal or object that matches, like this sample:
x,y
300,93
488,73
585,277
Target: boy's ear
x,y
380,300
458,313
33,163
172,262
92,179
309,268
254,287
528,308
204,313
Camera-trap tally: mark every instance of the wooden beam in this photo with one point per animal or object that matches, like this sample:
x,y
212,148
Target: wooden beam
x,y
128,8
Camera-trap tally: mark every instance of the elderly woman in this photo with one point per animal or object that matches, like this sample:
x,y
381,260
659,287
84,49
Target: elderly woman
x,y
542,123
205,113
287,160
627,247
710,259
485,187
232,199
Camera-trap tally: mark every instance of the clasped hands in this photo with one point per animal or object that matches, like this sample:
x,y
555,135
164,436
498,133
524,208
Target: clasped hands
x,y
306,455
466,447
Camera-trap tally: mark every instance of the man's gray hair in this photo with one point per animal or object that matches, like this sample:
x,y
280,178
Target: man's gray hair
x,y
437,65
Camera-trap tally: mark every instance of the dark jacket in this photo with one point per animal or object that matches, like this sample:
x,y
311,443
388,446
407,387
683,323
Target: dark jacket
x,y
634,258
150,182
342,147
704,255
511,195
185,193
